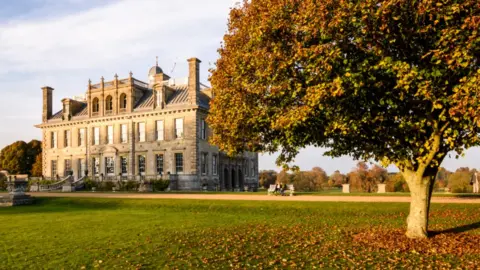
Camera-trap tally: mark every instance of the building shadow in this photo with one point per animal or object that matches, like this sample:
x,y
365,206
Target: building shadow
x,y
459,229
55,205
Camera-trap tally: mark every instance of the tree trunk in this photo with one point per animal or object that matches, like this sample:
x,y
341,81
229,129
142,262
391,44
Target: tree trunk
x,y
421,188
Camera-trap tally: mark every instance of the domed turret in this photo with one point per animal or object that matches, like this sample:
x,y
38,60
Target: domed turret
x,y
156,75
155,70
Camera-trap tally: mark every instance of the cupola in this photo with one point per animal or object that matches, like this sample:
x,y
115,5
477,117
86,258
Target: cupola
x,y
156,75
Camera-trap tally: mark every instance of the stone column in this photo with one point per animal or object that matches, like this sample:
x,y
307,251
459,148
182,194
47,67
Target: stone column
x,y
75,168
132,140
116,96
151,163
101,111
238,182
88,143
118,166
346,188
102,165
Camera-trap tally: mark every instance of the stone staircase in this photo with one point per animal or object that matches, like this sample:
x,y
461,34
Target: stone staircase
x,y
60,185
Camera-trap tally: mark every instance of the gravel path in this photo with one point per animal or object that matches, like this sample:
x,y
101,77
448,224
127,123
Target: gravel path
x,y
246,197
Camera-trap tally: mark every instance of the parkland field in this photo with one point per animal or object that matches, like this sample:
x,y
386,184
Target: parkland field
x,y
106,233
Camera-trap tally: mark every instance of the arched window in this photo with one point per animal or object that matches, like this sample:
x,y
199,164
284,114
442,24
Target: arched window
x,y
95,105
109,104
123,102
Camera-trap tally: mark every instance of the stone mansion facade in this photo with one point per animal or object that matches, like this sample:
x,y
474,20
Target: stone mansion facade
x,y
127,129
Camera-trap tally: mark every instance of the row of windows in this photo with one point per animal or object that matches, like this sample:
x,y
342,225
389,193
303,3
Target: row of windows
x,y
204,164
159,133
110,165
141,165
67,166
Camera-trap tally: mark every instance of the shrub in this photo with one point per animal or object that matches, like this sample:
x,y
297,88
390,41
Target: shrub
x,y
160,184
106,186
459,182
401,186
130,185
3,182
120,185
309,180
396,183
89,184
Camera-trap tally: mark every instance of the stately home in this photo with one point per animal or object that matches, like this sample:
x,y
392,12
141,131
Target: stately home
x,y
127,129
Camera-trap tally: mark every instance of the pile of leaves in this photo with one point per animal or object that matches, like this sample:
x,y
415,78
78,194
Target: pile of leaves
x,y
458,244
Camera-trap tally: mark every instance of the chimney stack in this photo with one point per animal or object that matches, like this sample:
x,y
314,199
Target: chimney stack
x,y
194,80
47,103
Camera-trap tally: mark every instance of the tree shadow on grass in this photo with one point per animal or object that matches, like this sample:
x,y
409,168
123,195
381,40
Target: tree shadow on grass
x,y
56,205
459,229
468,196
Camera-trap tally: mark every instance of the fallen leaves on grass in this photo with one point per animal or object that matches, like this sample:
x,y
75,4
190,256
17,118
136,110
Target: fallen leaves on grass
x,y
457,244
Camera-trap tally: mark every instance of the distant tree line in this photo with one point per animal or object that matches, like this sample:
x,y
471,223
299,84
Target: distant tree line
x,y
22,158
365,178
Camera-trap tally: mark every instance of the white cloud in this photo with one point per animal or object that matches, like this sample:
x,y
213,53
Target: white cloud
x,y
65,50
108,33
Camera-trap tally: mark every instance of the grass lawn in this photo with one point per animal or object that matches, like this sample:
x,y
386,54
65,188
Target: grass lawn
x,y
72,233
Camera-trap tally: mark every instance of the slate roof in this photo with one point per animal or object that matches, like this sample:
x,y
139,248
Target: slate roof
x,y
58,115
146,101
180,96
83,112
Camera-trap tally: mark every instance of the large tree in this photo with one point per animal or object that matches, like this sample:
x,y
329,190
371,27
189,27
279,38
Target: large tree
x,y
313,180
337,179
19,157
37,168
365,179
267,178
34,148
393,81
459,181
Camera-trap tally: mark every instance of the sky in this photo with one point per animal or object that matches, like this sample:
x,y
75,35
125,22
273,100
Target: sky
x,y
64,43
